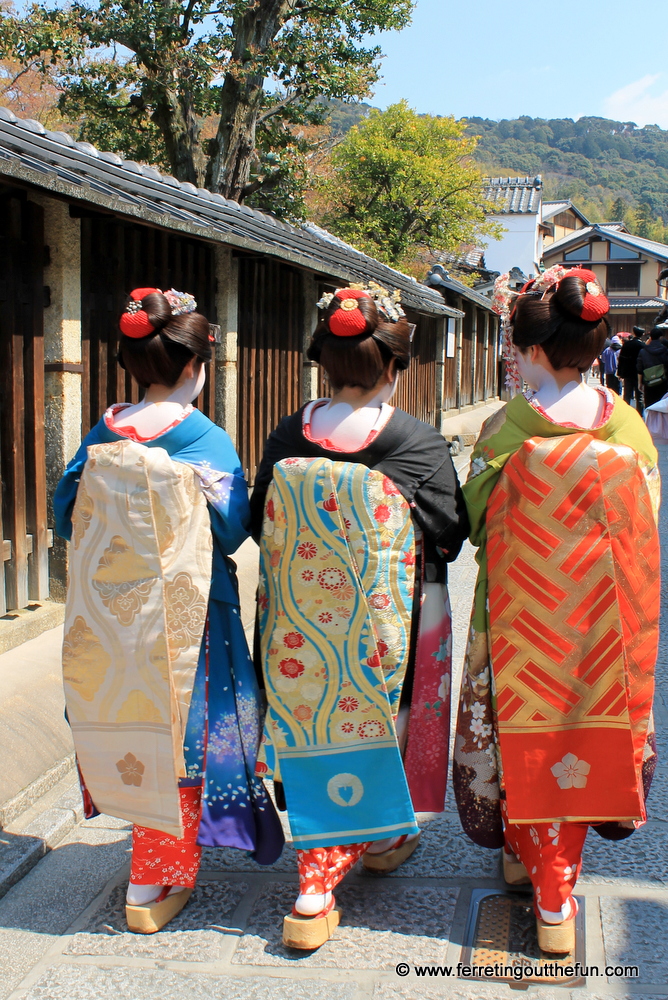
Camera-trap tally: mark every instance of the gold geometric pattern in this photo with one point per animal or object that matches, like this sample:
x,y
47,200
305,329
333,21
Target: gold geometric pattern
x,y
186,612
85,660
138,708
148,505
84,512
123,580
139,586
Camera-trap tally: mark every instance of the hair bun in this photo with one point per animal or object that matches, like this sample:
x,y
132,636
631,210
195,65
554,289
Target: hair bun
x,y
352,312
580,294
147,312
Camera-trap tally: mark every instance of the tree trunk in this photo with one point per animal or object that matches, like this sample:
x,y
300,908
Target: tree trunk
x,y
175,117
234,150
241,97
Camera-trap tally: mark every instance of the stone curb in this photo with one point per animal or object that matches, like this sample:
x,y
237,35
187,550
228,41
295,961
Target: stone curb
x,y
12,809
39,829
17,627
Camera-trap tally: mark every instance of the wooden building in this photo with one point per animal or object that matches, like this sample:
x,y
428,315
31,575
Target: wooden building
x,y
79,228
473,376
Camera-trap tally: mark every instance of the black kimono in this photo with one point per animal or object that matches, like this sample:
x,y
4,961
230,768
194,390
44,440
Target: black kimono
x,y
410,453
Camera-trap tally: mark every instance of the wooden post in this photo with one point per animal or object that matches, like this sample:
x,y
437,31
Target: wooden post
x,y
34,392
459,349
439,370
474,350
227,299
12,430
310,311
62,361
485,384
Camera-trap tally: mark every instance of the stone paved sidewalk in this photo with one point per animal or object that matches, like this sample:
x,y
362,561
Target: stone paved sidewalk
x,y
62,934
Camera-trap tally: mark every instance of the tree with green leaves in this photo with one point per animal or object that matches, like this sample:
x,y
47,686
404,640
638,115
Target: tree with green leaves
x,y
403,182
142,76
618,210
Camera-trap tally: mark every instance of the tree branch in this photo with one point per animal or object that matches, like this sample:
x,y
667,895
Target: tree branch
x,y
186,17
266,182
270,112
26,69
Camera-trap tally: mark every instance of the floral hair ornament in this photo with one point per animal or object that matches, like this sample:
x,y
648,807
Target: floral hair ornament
x,y
180,302
503,299
504,303
387,304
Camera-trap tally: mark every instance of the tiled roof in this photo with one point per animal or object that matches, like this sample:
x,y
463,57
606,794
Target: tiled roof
x,y
635,243
438,277
468,256
33,156
513,195
638,302
552,208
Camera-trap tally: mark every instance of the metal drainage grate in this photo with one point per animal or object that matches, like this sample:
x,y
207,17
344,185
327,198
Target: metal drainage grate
x,y
501,939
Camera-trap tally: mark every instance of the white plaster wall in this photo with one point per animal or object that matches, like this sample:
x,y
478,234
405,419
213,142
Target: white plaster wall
x,y
518,247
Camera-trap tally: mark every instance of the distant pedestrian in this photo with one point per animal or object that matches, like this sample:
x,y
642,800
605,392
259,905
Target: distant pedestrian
x,y
652,368
662,325
627,361
609,358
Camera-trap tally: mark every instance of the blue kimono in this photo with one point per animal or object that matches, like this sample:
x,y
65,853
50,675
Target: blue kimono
x,y
224,724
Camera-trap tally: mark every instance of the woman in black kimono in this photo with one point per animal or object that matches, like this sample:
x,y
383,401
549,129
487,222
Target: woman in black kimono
x,y
363,343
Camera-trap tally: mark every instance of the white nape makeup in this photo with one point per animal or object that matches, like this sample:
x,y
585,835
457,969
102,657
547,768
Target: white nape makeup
x,y
163,405
562,393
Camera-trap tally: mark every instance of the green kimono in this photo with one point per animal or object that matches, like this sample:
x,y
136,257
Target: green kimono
x,y
478,778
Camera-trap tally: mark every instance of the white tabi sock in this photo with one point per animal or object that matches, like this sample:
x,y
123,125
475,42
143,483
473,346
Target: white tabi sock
x,y
557,917
141,895
310,904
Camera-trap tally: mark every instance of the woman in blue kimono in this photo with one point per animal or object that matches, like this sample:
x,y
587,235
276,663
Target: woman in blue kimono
x,y
165,346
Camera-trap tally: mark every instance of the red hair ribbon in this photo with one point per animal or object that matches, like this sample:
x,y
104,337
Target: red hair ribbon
x,y
348,320
135,322
595,305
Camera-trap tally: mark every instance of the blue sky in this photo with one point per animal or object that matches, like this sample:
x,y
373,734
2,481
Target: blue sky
x,y
550,60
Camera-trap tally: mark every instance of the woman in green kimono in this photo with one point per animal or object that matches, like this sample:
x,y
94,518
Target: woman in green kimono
x,y
554,731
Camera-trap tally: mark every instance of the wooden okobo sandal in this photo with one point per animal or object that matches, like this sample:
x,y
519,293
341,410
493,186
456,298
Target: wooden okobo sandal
x,y
558,939
389,861
307,933
514,872
153,916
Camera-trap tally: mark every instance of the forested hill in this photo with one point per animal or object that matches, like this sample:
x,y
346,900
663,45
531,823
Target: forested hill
x,y
613,171
594,161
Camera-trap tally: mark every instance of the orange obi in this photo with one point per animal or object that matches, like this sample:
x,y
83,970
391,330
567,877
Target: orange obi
x,y
573,557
